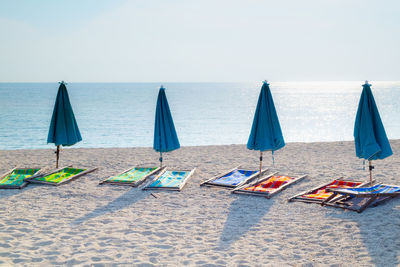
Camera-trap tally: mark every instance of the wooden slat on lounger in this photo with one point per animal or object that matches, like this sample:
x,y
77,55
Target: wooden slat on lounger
x,y
16,178
263,188
360,201
214,181
56,181
164,180
133,176
302,198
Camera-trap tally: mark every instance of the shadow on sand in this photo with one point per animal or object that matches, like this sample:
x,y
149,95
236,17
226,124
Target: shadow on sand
x,y
379,231
245,212
7,193
126,199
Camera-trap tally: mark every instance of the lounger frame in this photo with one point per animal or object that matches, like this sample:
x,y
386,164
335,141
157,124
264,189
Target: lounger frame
x,y
240,190
210,182
345,202
297,197
25,183
74,177
178,188
134,184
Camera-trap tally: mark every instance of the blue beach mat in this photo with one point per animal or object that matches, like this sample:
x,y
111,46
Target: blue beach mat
x,y
380,189
232,178
358,199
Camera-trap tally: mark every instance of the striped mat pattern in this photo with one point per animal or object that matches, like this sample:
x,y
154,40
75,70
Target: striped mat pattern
x,y
271,184
17,176
60,176
234,177
321,193
377,189
131,176
170,179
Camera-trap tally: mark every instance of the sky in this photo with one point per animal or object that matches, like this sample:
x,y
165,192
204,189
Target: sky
x,y
199,41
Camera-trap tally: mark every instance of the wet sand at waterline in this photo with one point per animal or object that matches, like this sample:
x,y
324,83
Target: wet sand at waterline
x,y
85,223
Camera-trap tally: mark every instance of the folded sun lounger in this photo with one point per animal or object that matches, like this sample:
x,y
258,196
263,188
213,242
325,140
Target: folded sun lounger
x,y
15,178
233,178
269,185
170,180
132,176
358,199
60,176
319,193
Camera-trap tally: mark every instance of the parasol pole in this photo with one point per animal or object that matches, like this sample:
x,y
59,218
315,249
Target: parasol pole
x,y
370,172
259,176
57,155
160,159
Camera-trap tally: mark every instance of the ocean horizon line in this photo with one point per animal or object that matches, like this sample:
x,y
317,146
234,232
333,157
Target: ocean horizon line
x,y
201,82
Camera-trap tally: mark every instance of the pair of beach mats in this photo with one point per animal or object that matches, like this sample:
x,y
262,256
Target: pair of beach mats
x,y
250,182
341,193
164,178
18,178
348,194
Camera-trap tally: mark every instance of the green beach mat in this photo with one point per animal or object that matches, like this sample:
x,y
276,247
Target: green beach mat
x,y
16,178
132,176
172,180
60,176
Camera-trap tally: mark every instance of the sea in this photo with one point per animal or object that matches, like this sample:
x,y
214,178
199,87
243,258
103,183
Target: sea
x,y
122,114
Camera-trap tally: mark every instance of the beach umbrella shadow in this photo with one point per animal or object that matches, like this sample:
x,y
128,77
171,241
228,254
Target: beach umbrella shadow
x,y
381,239
127,199
245,212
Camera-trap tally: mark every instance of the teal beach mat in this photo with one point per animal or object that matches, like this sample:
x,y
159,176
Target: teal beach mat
x,y
170,180
132,176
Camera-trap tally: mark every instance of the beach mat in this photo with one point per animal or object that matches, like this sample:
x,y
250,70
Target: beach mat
x,y
16,178
170,180
233,178
269,185
132,177
358,199
319,194
60,176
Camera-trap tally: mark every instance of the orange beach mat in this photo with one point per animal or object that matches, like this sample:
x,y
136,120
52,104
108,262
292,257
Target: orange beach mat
x,y
268,185
319,193
322,194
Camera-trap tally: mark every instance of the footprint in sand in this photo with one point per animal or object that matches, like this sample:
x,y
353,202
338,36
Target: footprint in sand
x,y
4,245
162,246
44,243
160,234
147,233
95,259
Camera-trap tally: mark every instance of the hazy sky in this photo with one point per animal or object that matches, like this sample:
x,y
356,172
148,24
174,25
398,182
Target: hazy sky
x,y
198,41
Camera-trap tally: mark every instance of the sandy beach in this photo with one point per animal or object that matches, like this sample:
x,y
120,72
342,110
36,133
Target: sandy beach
x,y
83,223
